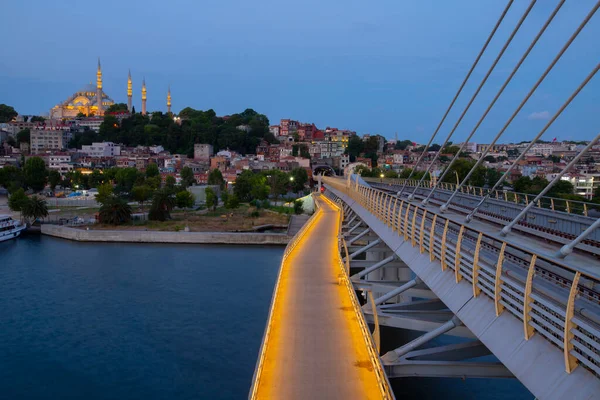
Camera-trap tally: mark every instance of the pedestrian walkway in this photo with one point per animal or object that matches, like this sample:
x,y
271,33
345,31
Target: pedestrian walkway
x,y
315,348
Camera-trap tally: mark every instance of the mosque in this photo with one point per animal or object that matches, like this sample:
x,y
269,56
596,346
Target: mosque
x,y
92,100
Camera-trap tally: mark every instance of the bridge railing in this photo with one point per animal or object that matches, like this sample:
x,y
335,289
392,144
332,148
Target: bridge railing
x,y
550,203
265,342
549,297
382,380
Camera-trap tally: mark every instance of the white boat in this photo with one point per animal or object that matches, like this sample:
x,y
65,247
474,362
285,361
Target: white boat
x,y
9,228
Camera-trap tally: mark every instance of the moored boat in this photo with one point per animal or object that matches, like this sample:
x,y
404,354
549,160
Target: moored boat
x,y
9,228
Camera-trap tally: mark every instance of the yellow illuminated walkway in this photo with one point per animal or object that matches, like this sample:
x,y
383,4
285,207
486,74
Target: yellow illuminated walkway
x,y
315,349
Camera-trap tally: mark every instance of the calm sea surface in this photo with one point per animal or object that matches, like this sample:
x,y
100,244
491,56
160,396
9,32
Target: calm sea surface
x,y
140,321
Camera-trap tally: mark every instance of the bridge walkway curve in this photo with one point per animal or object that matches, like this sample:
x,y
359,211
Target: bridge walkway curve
x,y
315,348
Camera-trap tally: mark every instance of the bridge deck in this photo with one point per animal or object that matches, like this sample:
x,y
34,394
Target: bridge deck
x,y
315,349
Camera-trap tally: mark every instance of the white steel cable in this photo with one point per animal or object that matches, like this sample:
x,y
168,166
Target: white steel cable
x,y
544,129
506,82
487,42
490,70
512,117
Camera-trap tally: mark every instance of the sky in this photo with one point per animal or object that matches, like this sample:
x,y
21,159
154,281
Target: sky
x,y
382,67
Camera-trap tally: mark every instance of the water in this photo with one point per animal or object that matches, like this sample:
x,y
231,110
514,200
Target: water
x,y
134,321
148,321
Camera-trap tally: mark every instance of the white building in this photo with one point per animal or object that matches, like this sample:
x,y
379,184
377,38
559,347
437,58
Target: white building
x,y
274,129
54,160
91,123
42,139
583,184
469,146
344,161
104,149
540,149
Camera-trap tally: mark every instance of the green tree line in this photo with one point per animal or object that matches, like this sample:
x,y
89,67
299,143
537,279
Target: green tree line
x,y
196,127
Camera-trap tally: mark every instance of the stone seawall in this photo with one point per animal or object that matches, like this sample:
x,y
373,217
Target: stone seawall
x,y
165,237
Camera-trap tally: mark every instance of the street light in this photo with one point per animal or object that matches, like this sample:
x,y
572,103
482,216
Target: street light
x,y
381,176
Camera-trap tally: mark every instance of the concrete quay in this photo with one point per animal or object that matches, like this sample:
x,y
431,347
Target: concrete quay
x,y
81,235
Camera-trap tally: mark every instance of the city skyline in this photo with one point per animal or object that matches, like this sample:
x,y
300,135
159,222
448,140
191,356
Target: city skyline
x,y
354,69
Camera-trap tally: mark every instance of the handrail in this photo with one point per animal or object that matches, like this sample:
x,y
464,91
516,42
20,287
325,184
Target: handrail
x,y
263,348
560,284
384,385
547,202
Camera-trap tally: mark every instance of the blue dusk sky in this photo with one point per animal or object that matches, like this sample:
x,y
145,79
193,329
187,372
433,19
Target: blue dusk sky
x,y
382,66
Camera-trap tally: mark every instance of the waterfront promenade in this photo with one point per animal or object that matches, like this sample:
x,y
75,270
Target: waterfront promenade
x,y
240,238
315,348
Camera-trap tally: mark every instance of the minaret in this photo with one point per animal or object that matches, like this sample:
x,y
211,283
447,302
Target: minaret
x,y
144,96
129,92
169,100
99,90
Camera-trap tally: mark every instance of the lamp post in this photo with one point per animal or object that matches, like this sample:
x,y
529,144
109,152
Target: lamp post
x,y
381,176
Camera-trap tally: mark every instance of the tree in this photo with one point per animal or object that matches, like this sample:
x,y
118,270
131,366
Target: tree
x,y
561,187
355,147
492,176
490,159
216,178
185,199
391,174
243,185
152,170
187,177
114,211
141,194
260,189
278,182
478,177
37,118
126,178
298,207
460,167
24,136
80,115
11,178
170,182
35,208
232,201
162,204
300,179
115,108
95,179
405,173
451,149
18,200
7,113
522,184
402,145
434,147
211,199
105,192
35,173
54,178
153,182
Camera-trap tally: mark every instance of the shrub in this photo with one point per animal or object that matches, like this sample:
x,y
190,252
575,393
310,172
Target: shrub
x,y
298,207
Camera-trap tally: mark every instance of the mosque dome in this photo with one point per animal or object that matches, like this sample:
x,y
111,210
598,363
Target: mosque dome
x,y
89,88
